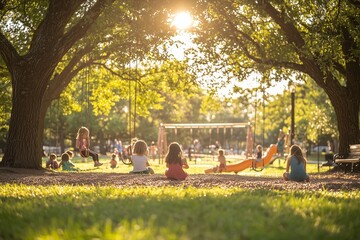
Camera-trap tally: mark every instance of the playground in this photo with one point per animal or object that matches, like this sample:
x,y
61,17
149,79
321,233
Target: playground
x,y
262,97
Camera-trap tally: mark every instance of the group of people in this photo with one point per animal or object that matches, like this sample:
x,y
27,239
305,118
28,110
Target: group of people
x,y
174,159
83,144
66,164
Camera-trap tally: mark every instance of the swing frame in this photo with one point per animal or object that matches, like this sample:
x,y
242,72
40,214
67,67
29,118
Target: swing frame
x,y
162,139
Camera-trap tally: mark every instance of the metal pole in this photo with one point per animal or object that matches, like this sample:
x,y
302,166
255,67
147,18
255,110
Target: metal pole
x,y
292,130
129,120
254,145
135,96
263,120
318,152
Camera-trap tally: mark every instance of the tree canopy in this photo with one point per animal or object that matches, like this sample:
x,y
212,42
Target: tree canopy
x,y
288,40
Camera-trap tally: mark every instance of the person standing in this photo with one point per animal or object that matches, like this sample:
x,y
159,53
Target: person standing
x,y
119,148
281,145
217,145
153,150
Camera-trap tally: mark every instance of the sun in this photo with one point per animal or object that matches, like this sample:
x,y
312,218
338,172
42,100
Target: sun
x,y
182,20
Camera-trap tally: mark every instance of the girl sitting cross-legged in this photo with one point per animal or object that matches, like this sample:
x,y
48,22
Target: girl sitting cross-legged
x,y
297,163
139,159
175,162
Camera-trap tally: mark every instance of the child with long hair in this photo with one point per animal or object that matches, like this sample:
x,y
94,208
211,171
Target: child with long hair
x,y
139,158
222,160
83,144
297,163
175,162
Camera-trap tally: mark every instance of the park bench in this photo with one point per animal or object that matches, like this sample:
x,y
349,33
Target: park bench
x,y
352,158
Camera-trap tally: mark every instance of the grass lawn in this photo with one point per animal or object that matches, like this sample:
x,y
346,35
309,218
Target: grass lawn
x,y
108,212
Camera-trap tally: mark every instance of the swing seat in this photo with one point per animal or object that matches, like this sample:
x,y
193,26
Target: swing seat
x,y
84,156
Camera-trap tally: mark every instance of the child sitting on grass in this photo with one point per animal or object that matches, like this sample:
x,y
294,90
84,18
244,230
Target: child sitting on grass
x,y
139,159
52,163
297,162
66,163
175,163
113,161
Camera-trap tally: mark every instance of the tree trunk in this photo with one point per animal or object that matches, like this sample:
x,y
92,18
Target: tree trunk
x,y
24,141
348,122
348,131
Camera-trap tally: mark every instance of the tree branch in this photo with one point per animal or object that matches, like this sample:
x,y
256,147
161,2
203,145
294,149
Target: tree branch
x,y
121,75
294,37
290,31
266,61
53,25
355,3
234,29
80,29
352,63
62,80
8,52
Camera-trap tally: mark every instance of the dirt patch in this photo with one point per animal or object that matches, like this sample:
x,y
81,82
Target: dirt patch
x,y
333,181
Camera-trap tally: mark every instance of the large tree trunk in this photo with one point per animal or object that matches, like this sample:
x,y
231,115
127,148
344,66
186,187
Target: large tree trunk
x,y
348,126
346,106
24,142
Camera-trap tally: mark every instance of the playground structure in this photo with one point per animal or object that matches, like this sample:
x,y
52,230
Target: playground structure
x,y
249,163
162,142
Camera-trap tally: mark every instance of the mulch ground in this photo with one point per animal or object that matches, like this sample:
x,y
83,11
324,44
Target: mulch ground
x,y
332,181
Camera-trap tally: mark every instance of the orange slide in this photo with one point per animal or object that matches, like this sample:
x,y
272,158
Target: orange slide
x,y
237,167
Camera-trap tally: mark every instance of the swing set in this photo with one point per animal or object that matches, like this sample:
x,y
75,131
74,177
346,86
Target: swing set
x,y
162,142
